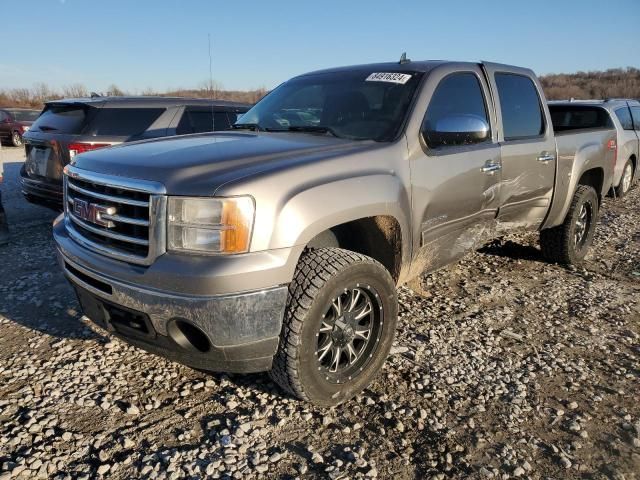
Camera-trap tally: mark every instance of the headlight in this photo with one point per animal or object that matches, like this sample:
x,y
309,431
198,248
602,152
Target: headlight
x,y
25,128
210,225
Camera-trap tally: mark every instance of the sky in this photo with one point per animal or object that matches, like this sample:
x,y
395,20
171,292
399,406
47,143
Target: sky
x,y
162,44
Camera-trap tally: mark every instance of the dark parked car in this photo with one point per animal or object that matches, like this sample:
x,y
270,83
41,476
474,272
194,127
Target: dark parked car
x,y
69,127
14,123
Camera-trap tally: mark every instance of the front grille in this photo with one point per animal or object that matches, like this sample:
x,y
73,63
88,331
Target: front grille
x,y
117,217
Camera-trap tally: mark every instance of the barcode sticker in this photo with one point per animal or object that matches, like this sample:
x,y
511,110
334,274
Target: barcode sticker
x,y
390,77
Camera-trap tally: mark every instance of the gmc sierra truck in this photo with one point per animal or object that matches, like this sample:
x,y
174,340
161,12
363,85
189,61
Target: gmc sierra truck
x,y
278,246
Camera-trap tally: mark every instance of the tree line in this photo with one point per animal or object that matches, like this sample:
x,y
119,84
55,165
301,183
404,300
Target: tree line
x,y
612,83
615,82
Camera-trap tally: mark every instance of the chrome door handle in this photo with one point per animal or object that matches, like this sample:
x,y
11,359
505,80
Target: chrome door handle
x,y
491,168
545,157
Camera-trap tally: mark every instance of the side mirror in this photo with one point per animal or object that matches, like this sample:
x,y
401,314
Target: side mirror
x,y
452,130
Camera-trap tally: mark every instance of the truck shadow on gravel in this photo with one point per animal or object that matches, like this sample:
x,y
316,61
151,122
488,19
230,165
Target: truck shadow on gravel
x,y
510,249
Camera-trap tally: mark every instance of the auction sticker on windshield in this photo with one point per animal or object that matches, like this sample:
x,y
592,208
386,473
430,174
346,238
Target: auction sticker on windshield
x,y
391,77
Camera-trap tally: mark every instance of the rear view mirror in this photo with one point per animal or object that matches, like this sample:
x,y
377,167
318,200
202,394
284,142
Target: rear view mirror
x,y
459,129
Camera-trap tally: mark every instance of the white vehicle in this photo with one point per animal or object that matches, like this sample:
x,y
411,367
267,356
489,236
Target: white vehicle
x,y
625,117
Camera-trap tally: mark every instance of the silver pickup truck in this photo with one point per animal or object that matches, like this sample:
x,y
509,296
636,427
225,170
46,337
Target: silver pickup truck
x,y
278,246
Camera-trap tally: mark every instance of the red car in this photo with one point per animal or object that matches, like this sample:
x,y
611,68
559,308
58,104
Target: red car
x,y
15,122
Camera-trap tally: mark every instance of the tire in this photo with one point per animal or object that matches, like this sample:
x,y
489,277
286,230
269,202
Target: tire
x,y
16,139
626,180
327,281
568,243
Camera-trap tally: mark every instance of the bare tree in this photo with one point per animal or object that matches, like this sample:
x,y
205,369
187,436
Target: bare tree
x,y
114,91
77,90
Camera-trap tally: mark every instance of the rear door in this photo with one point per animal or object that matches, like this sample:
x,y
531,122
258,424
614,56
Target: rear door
x,y
527,146
627,142
5,126
454,186
635,113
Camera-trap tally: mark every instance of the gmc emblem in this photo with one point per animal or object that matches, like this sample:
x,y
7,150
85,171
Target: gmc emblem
x,y
92,212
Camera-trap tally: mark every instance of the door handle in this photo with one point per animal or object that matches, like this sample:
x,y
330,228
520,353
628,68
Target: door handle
x,y
490,168
546,157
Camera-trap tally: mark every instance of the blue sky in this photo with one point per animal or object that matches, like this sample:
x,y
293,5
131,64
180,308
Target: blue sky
x,y
139,44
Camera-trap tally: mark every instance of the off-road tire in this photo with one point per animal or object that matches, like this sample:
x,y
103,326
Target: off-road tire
x,y
558,244
16,139
620,190
320,275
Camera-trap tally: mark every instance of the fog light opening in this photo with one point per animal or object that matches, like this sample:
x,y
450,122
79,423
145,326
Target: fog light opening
x,y
188,336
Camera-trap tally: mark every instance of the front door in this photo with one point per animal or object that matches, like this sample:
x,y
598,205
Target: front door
x,y
455,187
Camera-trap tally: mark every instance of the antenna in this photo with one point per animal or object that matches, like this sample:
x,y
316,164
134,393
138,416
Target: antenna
x,y
213,122
210,68
404,59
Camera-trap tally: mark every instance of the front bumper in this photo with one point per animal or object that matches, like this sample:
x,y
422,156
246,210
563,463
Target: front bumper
x,y
241,330
40,192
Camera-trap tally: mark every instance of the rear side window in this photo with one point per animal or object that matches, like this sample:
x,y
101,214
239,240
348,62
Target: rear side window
x,y
520,106
222,121
578,117
122,122
201,121
25,115
459,94
69,119
624,116
635,113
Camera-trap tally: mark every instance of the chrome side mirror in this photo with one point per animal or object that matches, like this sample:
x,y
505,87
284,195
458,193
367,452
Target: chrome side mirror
x,y
453,130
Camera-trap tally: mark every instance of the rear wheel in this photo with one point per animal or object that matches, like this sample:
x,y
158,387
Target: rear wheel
x,y
16,139
568,243
338,327
626,180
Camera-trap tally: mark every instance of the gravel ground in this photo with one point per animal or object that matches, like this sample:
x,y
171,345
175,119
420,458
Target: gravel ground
x,y
504,366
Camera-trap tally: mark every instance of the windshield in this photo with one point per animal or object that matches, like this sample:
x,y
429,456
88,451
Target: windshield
x,y
359,105
25,115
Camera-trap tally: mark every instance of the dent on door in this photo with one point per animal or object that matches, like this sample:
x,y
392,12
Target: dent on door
x,y
457,204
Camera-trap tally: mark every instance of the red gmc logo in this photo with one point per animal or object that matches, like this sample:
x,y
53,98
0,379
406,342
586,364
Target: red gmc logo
x,y
91,212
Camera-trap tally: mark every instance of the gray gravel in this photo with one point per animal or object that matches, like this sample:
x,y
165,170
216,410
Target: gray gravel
x,y
504,367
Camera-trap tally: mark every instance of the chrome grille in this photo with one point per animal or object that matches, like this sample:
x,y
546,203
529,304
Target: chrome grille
x,y
117,217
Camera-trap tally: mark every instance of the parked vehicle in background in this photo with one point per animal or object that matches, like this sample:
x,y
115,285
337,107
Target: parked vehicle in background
x,y
624,115
14,123
69,127
280,247
4,228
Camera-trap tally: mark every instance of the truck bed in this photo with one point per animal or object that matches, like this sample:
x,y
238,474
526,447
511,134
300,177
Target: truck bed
x,y
579,150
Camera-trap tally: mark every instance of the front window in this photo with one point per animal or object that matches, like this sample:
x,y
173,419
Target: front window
x,y
624,115
358,105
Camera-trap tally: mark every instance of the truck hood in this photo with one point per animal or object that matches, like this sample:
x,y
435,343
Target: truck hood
x,y
199,164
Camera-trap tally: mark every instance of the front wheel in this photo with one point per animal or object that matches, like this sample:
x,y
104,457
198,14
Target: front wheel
x,y
626,180
16,139
338,327
568,243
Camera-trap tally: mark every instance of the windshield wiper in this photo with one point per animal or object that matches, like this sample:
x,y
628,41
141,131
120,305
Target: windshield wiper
x,y
46,128
314,129
248,126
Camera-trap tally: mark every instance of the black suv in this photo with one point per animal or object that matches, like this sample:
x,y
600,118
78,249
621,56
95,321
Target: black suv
x,y
69,127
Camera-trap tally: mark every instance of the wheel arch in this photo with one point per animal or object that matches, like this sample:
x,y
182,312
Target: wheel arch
x,y
593,177
378,237
371,219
